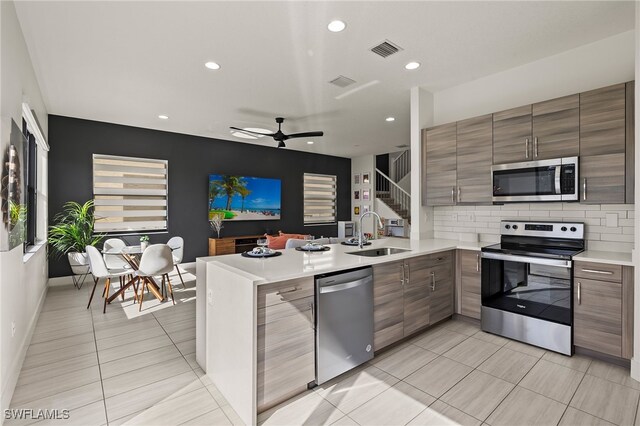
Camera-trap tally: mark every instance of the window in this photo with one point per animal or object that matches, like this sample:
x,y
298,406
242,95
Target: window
x,y
31,160
319,199
36,151
130,194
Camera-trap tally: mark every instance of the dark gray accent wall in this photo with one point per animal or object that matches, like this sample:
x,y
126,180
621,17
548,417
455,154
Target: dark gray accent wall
x,y
191,160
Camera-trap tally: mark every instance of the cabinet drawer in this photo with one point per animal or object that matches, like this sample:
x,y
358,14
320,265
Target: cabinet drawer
x,y
437,259
284,291
598,271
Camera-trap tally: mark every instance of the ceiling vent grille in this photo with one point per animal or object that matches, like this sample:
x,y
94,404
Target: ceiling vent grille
x,y
342,81
386,49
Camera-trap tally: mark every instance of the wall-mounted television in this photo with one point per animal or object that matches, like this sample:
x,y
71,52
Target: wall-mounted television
x,y
238,198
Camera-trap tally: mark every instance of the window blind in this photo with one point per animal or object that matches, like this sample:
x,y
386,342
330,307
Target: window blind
x,y
130,194
319,198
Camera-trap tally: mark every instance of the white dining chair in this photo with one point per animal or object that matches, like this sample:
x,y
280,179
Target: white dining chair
x,y
156,260
115,261
99,270
177,246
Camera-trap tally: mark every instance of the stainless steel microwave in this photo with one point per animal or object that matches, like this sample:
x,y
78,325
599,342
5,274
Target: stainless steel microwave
x,y
543,180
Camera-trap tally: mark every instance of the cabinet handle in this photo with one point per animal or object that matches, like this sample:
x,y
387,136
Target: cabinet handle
x,y
433,281
459,195
453,194
579,295
477,263
280,293
595,271
526,148
408,273
535,147
402,280
584,189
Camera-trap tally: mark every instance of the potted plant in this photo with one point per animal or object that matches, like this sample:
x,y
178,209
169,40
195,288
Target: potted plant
x,y
144,242
71,232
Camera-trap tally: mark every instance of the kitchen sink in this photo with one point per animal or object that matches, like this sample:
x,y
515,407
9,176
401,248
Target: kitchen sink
x,y
384,251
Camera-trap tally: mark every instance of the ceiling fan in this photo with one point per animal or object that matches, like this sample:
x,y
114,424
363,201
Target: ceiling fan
x,y
279,136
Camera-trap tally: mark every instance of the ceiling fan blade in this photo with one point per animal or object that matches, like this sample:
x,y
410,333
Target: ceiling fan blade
x,y
305,135
281,144
251,132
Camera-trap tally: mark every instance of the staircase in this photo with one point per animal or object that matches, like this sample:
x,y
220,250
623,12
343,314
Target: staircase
x,y
396,198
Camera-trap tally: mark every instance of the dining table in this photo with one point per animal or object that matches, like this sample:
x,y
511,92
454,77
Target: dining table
x,y
132,255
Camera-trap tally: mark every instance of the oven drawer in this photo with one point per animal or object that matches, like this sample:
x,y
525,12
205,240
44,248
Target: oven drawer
x,y
598,271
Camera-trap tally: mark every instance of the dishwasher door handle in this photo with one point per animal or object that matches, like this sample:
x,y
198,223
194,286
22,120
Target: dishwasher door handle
x,y
345,286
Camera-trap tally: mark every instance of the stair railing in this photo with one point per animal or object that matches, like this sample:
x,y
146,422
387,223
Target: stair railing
x,y
401,166
385,185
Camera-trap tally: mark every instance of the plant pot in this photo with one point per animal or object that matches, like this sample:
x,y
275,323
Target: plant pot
x,y
79,262
144,245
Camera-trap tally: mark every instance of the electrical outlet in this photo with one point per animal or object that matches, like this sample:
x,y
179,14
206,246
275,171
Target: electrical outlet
x,y
13,328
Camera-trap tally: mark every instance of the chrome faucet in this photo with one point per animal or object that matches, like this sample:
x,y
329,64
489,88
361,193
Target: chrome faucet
x,y
361,233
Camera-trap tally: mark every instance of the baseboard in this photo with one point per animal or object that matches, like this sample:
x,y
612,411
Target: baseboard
x,y
635,369
14,370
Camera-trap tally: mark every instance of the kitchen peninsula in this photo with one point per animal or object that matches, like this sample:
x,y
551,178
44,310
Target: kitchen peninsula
x,y
257,361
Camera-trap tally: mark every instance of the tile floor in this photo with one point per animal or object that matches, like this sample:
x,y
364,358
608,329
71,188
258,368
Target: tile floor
x,y
126,367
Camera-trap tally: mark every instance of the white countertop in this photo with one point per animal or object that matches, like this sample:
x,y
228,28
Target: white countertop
x,y
611,257
296,264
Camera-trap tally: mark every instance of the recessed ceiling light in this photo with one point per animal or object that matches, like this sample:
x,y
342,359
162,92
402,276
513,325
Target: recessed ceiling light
x,y
243,135
336,26
390,119
212,65
309,142
412,65
163,117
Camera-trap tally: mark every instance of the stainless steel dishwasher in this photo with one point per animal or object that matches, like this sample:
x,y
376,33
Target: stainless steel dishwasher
x,y
344,322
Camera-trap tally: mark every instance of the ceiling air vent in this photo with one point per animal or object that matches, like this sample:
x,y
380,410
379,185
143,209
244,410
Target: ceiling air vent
x,y
342,81
386,48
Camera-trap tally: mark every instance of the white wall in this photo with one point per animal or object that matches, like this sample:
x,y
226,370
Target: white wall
x,y
22,281
422,103
605,62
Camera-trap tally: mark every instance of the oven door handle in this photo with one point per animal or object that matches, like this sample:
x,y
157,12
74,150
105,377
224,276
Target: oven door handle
x,y
527,259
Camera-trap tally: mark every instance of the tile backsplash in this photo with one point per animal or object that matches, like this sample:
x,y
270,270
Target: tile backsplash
x,y
609,227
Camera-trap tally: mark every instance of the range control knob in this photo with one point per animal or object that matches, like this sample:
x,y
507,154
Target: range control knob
x,y
515,226
507,226
563,229
574,229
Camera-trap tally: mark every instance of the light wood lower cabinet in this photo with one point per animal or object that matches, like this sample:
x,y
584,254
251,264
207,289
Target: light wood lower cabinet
x,y
406,299
388,303
470,277
286,342
603,308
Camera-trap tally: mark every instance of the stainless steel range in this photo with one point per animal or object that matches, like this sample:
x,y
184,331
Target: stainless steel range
x,y
527,283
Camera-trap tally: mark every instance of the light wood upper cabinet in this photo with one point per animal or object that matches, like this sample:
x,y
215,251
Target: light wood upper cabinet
x,y
470,276
286,340
602,179
512,140
474,159
388,303
556,128
439,150
602,121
